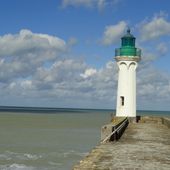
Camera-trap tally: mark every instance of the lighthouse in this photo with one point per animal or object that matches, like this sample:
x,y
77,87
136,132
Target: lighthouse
x,y
127,58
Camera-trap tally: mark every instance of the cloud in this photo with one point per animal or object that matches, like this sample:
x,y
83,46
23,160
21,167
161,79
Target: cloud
x,y
162,48
100,4
157,27
113,33
26,41
21,54
89,72
153,84
37,73
72,41
153,88
72,81
66,80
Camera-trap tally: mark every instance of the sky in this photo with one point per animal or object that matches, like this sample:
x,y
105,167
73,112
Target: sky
x,y
60,53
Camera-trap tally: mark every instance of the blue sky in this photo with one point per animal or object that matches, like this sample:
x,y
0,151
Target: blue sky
x,y
60,53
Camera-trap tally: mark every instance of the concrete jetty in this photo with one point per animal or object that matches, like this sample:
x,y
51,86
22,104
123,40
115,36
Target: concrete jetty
x,y
144,145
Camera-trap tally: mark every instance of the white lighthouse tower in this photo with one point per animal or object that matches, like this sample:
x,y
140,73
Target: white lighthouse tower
x,y
127,58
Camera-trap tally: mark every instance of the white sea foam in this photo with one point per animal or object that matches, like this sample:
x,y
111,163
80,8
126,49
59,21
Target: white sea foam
x,y
4,157
32,156
54,163
16,167
8,155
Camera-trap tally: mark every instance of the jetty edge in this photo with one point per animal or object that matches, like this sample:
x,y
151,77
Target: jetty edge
x,y
141,143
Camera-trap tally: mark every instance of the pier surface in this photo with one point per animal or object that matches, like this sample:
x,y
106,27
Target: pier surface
x,y
144,145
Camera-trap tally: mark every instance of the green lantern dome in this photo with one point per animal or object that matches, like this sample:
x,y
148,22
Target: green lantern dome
x,y
128,40
128,48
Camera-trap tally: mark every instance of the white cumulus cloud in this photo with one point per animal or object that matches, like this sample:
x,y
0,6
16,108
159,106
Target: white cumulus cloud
x,y
26,41
22,53
88,72
113,33
155,28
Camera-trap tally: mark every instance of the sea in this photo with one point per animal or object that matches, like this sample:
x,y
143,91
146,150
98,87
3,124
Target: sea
x,y
50,138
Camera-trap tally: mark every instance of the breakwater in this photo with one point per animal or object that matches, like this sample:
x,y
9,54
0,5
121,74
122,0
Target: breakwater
x,y
143,145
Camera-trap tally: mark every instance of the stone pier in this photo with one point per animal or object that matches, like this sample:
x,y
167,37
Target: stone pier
x,y
144,145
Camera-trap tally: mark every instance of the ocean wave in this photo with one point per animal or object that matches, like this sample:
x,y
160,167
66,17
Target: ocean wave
x,y
55,163
16,167
4,157
8,155
32,156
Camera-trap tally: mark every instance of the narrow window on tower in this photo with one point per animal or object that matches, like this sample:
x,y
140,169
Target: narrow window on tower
x,y
122,100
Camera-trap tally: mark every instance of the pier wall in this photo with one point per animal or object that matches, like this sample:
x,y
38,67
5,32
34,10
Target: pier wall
x,y
166,121
144,145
